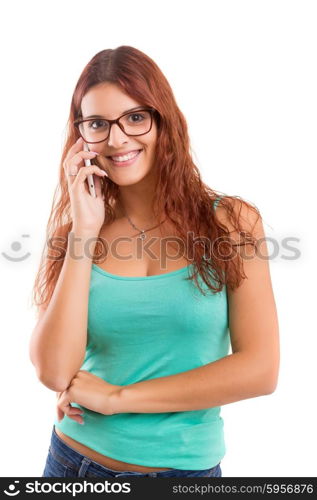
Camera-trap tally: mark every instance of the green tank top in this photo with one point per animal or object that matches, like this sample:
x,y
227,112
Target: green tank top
x,y
141,328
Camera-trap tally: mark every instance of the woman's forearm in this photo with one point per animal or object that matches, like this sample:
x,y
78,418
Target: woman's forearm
x,y
232,378
58,342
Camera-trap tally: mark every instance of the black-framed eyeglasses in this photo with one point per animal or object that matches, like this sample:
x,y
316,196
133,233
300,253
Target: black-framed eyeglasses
x,y
97,129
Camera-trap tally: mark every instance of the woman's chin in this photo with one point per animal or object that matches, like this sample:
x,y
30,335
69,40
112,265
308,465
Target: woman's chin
x,y
127,180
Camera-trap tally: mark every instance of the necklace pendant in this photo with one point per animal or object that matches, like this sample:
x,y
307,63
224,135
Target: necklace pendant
x,y
142,235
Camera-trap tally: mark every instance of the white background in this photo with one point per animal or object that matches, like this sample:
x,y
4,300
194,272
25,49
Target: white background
x,y
244,75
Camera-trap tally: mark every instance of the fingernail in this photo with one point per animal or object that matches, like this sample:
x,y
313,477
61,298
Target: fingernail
x,y
95,152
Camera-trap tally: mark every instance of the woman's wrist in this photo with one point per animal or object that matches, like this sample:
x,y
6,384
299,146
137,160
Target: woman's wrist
x,y
81,244
85,233
116,401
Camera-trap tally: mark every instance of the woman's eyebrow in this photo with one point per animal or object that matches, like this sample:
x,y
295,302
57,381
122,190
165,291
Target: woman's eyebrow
x,y
100,116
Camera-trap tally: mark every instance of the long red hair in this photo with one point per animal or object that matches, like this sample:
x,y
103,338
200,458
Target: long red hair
x,y
181,194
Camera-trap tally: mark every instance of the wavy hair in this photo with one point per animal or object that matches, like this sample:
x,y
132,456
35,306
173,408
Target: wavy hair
x,y
181,194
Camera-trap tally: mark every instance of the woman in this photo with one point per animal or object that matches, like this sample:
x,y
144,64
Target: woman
x,y
149,286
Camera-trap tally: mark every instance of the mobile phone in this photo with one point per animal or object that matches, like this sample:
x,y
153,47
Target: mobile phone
x,y
90,178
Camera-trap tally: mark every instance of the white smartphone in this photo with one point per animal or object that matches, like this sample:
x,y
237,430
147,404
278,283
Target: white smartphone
x,y
90,178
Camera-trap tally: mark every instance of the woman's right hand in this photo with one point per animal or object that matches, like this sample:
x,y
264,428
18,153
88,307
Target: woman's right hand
x,y
72,412
88,213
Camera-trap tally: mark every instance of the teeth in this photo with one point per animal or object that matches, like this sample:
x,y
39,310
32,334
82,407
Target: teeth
x,y
125,157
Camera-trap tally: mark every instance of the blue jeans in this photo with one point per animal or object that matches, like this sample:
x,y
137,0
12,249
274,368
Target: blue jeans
x,y
64,461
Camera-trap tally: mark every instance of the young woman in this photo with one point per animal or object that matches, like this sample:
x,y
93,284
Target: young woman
x,y
145,287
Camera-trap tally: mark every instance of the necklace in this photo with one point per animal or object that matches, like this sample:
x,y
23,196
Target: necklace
x,y
142,232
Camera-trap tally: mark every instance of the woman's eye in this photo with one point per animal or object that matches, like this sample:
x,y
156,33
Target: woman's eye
x,y
102,123
137,114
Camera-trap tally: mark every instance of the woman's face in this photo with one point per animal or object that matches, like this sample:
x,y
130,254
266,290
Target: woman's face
x,y
110,102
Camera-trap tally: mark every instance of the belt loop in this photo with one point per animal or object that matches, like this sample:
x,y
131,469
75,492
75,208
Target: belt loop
x,y
83,467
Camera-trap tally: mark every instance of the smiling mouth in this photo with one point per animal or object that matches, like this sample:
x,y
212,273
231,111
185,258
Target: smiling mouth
x,y
125,162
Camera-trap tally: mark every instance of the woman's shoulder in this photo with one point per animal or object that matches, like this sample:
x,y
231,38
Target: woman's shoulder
x,y
233,211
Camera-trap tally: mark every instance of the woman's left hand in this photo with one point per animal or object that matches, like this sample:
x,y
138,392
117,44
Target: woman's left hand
x,y
89,391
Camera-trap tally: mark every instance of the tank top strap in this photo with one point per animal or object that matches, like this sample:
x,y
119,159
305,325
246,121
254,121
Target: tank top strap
x,y
216,202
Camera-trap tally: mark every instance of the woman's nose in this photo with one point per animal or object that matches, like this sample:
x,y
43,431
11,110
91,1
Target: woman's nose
x,y
116,136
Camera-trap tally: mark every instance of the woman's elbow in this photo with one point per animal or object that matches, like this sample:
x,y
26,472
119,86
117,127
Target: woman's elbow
x,y
53,383
270,381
